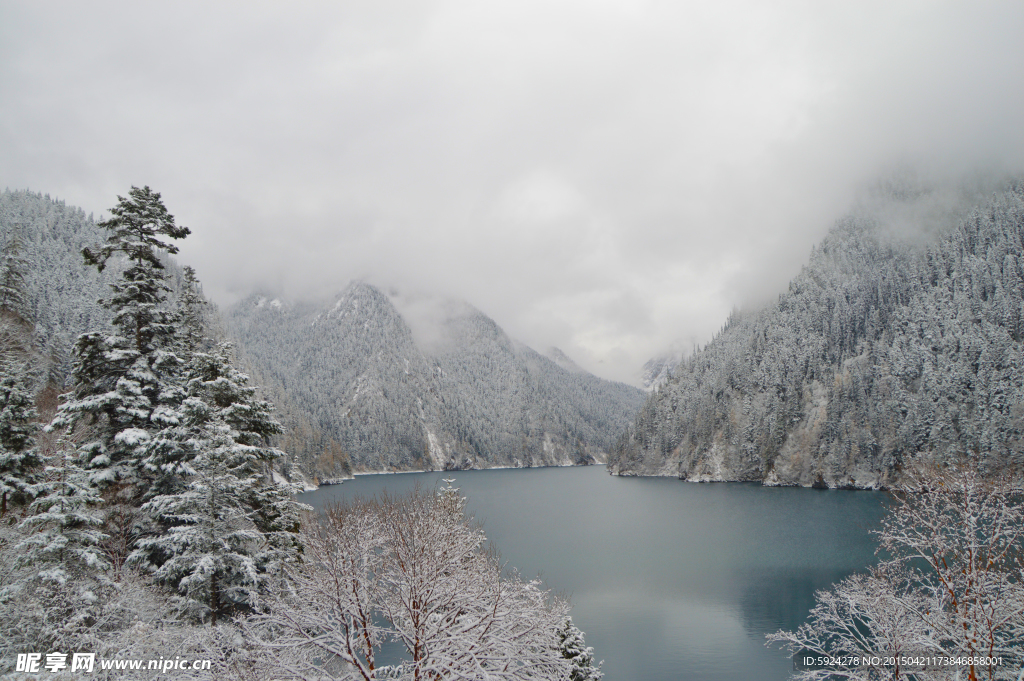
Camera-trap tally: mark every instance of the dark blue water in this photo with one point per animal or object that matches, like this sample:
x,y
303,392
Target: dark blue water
x,y
669,580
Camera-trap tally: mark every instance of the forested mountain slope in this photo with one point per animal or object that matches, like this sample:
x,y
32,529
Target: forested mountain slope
x,y
353,386
359,391
61,292
883,349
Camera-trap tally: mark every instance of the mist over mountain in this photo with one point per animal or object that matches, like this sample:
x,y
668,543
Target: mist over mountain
x,y
564,361
439,385
658,370
900,338
370,382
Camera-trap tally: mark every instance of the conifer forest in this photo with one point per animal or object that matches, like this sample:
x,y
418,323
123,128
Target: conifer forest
x,y
148,477
147,507
517,340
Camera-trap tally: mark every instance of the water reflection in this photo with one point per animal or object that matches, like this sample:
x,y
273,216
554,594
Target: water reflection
x,y
782,599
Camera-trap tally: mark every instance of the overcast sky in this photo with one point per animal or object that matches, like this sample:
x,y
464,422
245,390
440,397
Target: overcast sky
x,y
605,176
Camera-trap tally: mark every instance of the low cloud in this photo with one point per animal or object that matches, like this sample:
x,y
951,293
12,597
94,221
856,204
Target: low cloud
x,y
605,177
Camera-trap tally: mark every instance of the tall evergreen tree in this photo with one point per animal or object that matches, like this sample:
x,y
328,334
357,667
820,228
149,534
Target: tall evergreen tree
x,y
192,313
18,454
13,267
273,511
135,225
126,382
208,551
17,409
230,526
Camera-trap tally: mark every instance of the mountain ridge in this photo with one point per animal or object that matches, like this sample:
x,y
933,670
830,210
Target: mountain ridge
x,y
363,393
884,349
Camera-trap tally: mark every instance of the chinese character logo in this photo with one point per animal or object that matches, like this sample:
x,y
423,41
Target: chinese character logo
x,y
28,662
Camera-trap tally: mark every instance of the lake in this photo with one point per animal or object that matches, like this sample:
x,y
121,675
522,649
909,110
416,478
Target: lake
x,y
669,580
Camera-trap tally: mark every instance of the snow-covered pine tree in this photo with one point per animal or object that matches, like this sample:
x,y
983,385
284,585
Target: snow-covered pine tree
x,y
126,382
18,454
575,649
16,319
192,312
13,266
61,568
225,388
229,524
64,523
209,550
214,378
135,225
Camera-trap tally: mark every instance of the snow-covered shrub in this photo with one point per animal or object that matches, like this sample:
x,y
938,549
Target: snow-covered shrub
x,y
412,571
952,583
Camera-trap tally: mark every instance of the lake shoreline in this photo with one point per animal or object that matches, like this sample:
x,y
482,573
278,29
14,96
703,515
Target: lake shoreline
x,y
669,582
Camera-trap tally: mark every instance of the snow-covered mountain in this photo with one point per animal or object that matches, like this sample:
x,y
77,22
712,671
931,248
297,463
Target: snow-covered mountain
x,y
62,293
362,387
658,370
903,336
359,384
564,361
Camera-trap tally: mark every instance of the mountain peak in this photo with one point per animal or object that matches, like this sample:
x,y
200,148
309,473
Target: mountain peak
x,y
416,382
